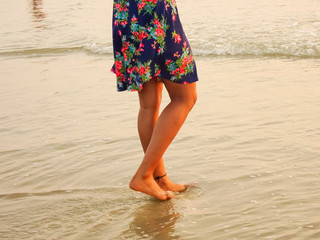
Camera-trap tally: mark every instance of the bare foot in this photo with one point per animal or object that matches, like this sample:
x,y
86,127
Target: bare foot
x,y
150,187
166,184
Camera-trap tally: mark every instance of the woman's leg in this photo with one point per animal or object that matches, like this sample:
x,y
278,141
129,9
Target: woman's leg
x,y
150,100
183,97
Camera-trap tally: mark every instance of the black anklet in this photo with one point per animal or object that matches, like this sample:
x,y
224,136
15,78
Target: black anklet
x,y
158,178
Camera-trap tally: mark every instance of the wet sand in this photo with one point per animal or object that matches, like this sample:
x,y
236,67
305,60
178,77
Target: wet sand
x,y
69,147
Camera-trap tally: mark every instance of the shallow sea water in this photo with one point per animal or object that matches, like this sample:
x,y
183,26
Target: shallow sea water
x,y
69,144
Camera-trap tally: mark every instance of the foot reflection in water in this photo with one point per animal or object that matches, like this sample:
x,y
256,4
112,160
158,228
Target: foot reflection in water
x,y
155,220
37,10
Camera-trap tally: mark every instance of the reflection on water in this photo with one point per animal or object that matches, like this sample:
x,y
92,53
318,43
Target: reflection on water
x,y
37,11
155,220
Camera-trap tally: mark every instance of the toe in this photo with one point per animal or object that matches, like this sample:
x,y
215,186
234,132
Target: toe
x,y
170,194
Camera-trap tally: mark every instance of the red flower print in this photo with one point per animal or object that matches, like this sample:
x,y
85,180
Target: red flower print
x,y
156,22
185,61
143,29
141,46
118,64
142,5
177,38
158,73
124,23
159,32
142,70
142,36
130,70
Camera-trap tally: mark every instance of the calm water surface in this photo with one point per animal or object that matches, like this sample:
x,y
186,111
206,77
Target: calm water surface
x,y
69,143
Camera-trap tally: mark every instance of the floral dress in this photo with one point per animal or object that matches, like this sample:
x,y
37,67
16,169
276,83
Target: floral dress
x,y
149,42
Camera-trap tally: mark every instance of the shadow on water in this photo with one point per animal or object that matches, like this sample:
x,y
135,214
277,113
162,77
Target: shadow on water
x,y
154,220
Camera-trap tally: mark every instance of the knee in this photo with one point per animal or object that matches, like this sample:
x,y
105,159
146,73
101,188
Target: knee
x,y
150,106
194,98
187,100
191,101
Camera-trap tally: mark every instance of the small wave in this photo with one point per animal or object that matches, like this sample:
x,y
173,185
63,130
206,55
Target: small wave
x,y
89,48
38,51
104,190
207,50
98,49
247,51
270,53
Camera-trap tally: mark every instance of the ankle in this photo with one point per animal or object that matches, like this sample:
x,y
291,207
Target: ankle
x,y
145,175
160,177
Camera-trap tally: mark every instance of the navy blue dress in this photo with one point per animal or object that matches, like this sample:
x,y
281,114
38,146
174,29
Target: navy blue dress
x,y
149,42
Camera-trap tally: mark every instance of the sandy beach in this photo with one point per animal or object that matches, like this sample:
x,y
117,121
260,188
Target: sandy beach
x,y
69,144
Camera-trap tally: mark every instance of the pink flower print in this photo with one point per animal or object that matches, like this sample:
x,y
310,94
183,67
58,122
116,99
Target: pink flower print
x,y
176,54
153,45
141,46
173,17
185,44
119,32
